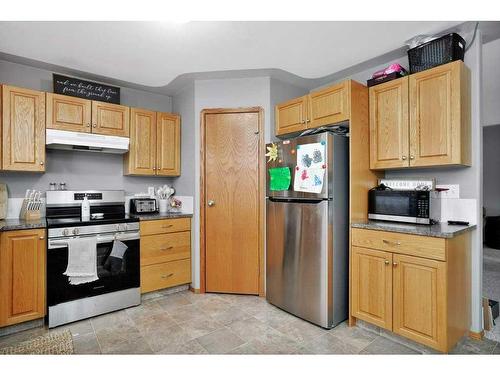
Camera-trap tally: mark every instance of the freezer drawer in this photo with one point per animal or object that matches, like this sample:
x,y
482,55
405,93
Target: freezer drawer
x,y
298,259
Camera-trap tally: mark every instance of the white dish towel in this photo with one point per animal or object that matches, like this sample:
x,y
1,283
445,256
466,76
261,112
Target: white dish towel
x,y
82,260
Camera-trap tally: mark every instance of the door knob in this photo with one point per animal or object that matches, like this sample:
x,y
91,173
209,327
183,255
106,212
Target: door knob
x,y
211,203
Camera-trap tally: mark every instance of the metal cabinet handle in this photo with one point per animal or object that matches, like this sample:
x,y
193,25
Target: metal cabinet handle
x,y
397,243
94,125
166,248
88,125
412,157
41,163
403,157
394,264
211,203
167,226
42,237
167,276
303,122
386,262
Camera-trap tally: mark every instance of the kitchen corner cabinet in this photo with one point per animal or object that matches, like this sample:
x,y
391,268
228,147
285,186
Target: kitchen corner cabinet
x,y
23,129
422,120
22,276
154,144
86,116
165,253
415,286
324,107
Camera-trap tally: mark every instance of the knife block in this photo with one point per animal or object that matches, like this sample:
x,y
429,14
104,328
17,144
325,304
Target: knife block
x,y
28,215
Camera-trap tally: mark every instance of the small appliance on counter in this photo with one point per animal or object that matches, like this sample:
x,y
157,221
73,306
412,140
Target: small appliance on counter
x,y
143,206
406,201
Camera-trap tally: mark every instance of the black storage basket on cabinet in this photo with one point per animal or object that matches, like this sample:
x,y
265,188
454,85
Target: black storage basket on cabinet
x,y
439,51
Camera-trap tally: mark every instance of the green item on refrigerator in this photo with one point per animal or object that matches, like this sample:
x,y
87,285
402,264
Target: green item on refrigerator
x,y
279,178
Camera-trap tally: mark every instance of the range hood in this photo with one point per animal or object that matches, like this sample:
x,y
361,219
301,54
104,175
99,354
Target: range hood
x,y
65,140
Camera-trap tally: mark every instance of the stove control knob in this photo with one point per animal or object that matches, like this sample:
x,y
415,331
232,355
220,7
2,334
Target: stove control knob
x,y
65,232
76,231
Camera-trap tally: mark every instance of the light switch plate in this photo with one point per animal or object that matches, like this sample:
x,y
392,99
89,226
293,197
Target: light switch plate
x,y
453,191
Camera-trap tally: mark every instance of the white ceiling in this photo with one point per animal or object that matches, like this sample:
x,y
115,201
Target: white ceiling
x,y
155,53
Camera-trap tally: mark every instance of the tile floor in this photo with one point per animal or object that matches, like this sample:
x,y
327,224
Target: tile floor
x,y
187,323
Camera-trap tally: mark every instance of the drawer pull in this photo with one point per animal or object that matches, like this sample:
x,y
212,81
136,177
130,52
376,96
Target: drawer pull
x,y
167,276
166,248
397,243
386,262
167,226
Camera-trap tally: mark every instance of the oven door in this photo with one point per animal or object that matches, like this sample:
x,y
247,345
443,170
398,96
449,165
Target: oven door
x,y
111,279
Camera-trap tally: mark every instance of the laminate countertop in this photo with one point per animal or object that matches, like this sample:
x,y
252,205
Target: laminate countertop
x,y
158,216
20,224
441,230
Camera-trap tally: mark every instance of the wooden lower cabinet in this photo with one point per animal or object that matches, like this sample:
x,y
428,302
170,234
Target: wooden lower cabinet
x,y
165,253
22,276
372,286
419,290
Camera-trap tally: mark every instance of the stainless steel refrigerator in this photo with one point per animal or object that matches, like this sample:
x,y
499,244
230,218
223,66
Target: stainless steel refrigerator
x,y
307,227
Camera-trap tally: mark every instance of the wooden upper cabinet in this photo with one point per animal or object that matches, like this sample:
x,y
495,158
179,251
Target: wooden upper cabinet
x,y
68,113
168,138
23,129
110,119
329,105
371,286
141,158
440,116
22,276
419,297
389,125
291,116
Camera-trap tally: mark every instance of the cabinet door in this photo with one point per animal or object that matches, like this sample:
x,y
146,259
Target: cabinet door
x,y
389,124
371,293
22,276
437,134
23,129
291,116
168,152
141,158
419,298
68,113
110,119
329,106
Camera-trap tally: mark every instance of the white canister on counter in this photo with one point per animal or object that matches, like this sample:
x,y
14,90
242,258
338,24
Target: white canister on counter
x,y
163,206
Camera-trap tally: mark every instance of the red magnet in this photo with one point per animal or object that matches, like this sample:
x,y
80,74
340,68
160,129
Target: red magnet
x,y
297,168
323,166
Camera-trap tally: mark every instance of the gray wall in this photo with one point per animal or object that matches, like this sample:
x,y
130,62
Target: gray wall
x,y
491,83
80,170
183,104
491,169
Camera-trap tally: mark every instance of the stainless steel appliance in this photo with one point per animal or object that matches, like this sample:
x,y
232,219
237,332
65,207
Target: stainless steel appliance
x,y
307,235
407,206
116,288
143,206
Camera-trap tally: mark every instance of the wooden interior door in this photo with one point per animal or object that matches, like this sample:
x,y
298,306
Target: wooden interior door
x,y
110,119
141,158
22,276
68,113
371,291
329,106
435,116
389,125
23,137
291,116
232,201
168,153
419,298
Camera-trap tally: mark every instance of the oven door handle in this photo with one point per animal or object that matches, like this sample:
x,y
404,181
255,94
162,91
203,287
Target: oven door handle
x,y
59,243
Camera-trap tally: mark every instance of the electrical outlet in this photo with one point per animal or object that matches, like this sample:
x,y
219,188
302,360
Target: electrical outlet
x,y
453,191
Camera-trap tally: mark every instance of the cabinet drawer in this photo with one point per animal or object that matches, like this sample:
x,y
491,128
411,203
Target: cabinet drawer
x,y
160,248
421,246
165,226
165,275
